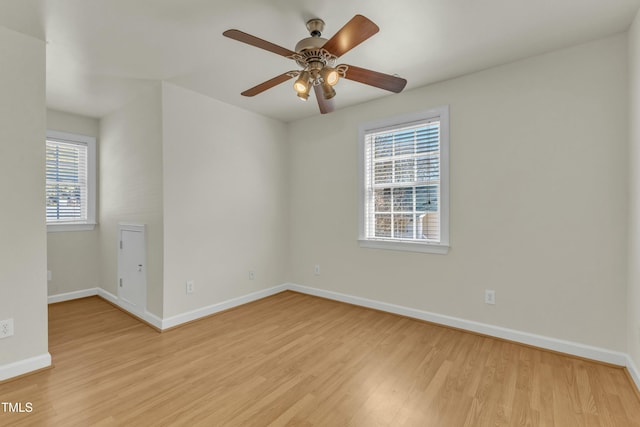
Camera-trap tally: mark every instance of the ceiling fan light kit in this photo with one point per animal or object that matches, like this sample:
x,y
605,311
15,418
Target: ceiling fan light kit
x,y
302,84
330,75
317,57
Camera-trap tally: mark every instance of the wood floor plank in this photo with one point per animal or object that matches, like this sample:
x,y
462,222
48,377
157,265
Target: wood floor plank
x,y
298,360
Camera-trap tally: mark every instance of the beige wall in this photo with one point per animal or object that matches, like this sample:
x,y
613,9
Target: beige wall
x,y
72,123
23,238
633,299
538,199
225,201
73,257
130,188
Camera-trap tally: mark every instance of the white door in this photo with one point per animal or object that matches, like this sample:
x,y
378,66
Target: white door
x,y
132,269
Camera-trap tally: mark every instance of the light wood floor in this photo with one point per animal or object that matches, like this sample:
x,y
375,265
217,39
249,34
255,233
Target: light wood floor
x,y
298,360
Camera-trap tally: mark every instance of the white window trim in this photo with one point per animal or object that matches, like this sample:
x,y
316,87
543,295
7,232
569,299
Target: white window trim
x,y
428,247
91,184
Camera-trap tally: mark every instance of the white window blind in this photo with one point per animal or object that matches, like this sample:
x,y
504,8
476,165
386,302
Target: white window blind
x,y
403,191
67,182
70,186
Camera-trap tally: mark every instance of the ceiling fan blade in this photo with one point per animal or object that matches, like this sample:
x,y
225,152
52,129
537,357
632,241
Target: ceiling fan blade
x,y
374,78
258,42
267,85
326,105
351,35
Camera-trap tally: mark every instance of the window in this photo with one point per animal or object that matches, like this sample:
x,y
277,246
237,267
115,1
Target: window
x,y
70,182
404,183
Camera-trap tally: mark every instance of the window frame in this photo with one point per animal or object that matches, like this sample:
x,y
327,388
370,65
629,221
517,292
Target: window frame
x,y
442,247
90,143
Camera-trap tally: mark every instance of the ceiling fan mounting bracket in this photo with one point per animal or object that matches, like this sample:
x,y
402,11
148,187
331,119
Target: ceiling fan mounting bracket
x,y
315,27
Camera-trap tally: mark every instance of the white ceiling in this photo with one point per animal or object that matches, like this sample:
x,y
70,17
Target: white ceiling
x,y
103,53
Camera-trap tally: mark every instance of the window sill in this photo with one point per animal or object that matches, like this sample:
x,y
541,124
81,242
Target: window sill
x,y
405,246
56,228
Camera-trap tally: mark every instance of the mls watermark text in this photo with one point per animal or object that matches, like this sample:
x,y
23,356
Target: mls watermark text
x,y
16,407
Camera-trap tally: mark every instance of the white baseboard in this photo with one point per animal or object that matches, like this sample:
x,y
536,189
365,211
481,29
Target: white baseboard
x,y
189,316
68,296
562,346
178,319
633,371
107,296
25,366
51,299
148,317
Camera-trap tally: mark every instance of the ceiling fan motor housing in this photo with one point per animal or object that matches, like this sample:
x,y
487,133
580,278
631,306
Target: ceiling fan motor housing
x,y
310,43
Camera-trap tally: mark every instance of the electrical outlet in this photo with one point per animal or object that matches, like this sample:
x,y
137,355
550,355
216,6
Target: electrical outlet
x,y
6,328
252,275
190,286
49,275
316,270
489,296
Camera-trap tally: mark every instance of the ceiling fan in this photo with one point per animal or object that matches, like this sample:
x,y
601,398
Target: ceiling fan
x,y
317,56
